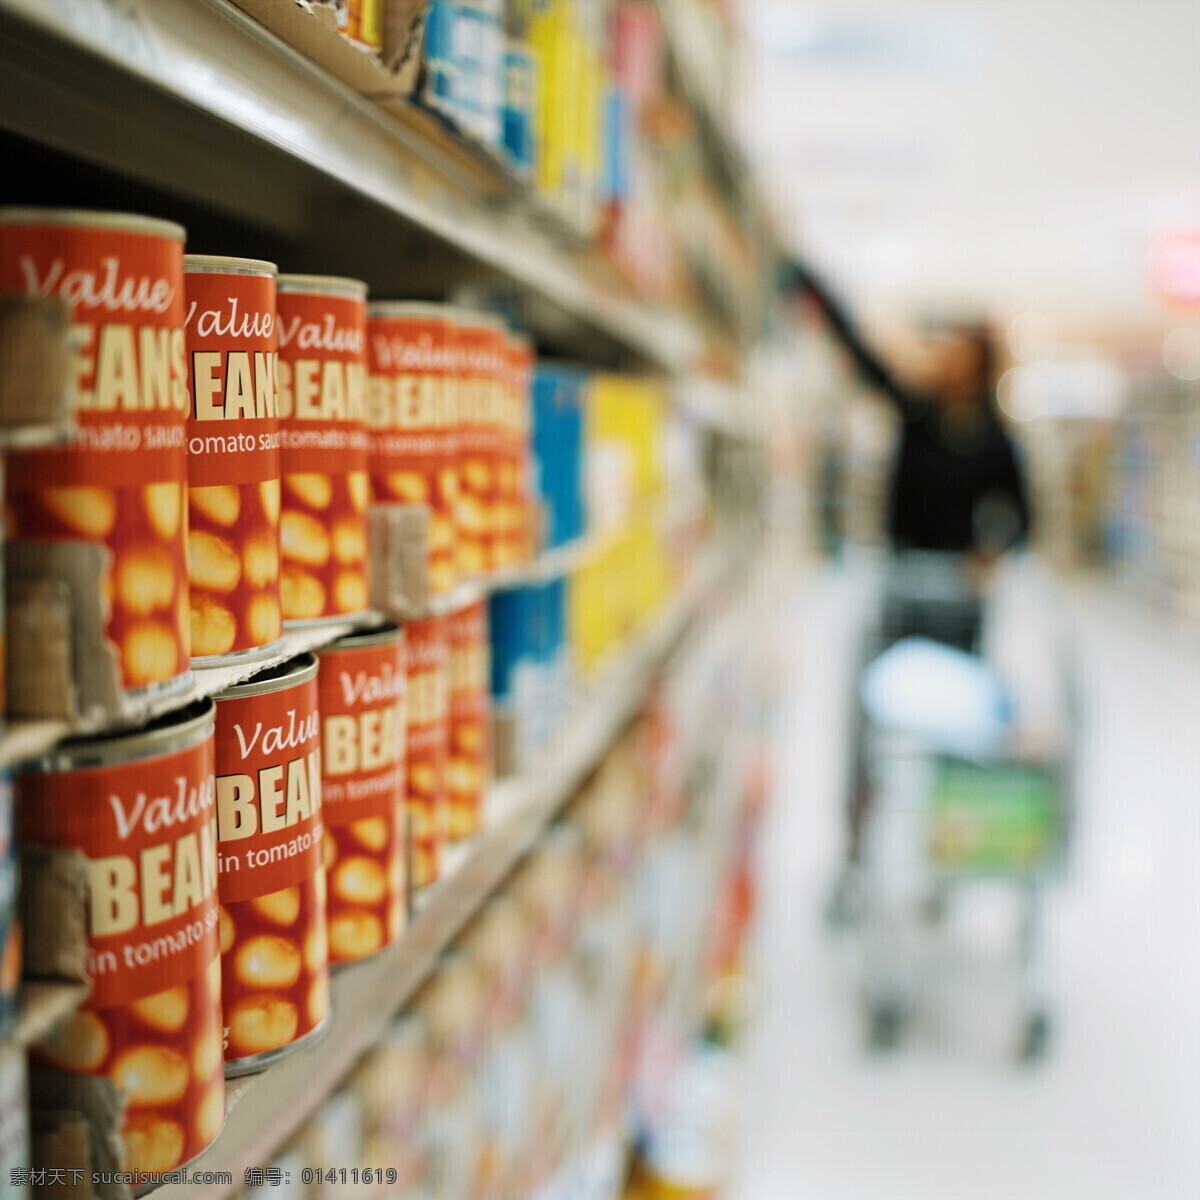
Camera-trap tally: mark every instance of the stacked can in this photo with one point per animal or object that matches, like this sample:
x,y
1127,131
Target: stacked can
x,y
10,929
362,690
233,459
412,415
139,808
322,410
121,481
481,340
511,536
272,878
470,678
428,730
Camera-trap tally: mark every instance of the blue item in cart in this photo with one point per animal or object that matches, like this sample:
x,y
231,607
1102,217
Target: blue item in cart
x,y
557,443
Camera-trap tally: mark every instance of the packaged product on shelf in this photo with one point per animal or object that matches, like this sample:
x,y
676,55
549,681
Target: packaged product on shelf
x,y
428,738
362,22
274,947
413,422
559,397
481,342
323,455
511,535
362,685
233,459
14,1123
469,752
140,808
10,927
393,1080
510,622
517,123
333,1141
121,481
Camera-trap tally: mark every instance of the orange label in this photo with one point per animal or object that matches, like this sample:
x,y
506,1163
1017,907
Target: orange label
x,y
322,410
481,360
468,753
152,1023
121,479
272,881
412,414
363,744
233,463
428,730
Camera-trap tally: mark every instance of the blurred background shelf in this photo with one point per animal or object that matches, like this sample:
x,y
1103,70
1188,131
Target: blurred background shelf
x,y
195,111
367,996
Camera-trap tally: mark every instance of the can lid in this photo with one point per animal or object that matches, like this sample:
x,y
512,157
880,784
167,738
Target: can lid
x,y
324,285
276,678
471,318
363,638
119,222
410,308
172,731
217,264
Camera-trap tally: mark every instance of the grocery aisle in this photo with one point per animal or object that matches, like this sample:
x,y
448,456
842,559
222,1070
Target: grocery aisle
x,y
1111,1115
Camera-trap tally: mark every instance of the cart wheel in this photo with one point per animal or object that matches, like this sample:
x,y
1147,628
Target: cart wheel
x,y
1036,1039
885,1026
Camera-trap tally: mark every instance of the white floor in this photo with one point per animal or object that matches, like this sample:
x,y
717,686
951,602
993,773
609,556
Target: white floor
x,y
1114,1111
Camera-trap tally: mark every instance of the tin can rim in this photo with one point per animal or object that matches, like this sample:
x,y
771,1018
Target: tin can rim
x,y
220,264
121,222
410,308
362,639
276,678
179,729
472,318
323,285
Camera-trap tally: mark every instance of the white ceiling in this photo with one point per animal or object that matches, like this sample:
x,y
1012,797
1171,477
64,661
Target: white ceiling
x,y
989,154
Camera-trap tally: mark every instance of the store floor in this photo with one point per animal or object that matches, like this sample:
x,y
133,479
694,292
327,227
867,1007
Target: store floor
x,y
1113,1113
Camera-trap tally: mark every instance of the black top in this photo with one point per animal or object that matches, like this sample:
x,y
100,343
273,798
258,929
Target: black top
x,y
954,483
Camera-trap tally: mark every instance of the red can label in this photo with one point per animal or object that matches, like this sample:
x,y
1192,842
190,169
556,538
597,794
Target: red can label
x,y
428,729
322,412
467,762
412,415
511,539
363,742
272,880
122,479
152,1023
481,389
233,463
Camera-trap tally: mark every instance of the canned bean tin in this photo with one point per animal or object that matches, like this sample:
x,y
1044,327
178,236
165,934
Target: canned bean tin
x,y
511,534
121,480
233,459
323,447
10,929
412,415
470,718
481,339
272,879
362,687
139,807
428,729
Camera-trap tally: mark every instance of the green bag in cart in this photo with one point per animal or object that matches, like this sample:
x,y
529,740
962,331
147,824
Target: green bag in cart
x,y
994,818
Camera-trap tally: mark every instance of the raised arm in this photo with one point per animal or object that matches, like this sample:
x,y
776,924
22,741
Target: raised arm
x,y
879,375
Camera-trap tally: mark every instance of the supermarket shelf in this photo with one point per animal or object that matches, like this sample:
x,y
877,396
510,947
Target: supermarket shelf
x,y
550,564
195,99
367,996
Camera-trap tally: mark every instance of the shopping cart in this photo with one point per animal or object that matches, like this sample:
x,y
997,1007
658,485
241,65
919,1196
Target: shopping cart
x,y
944,800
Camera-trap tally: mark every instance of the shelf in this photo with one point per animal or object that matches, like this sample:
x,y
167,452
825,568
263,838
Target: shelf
x,y
44,1006
259,150
368,995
